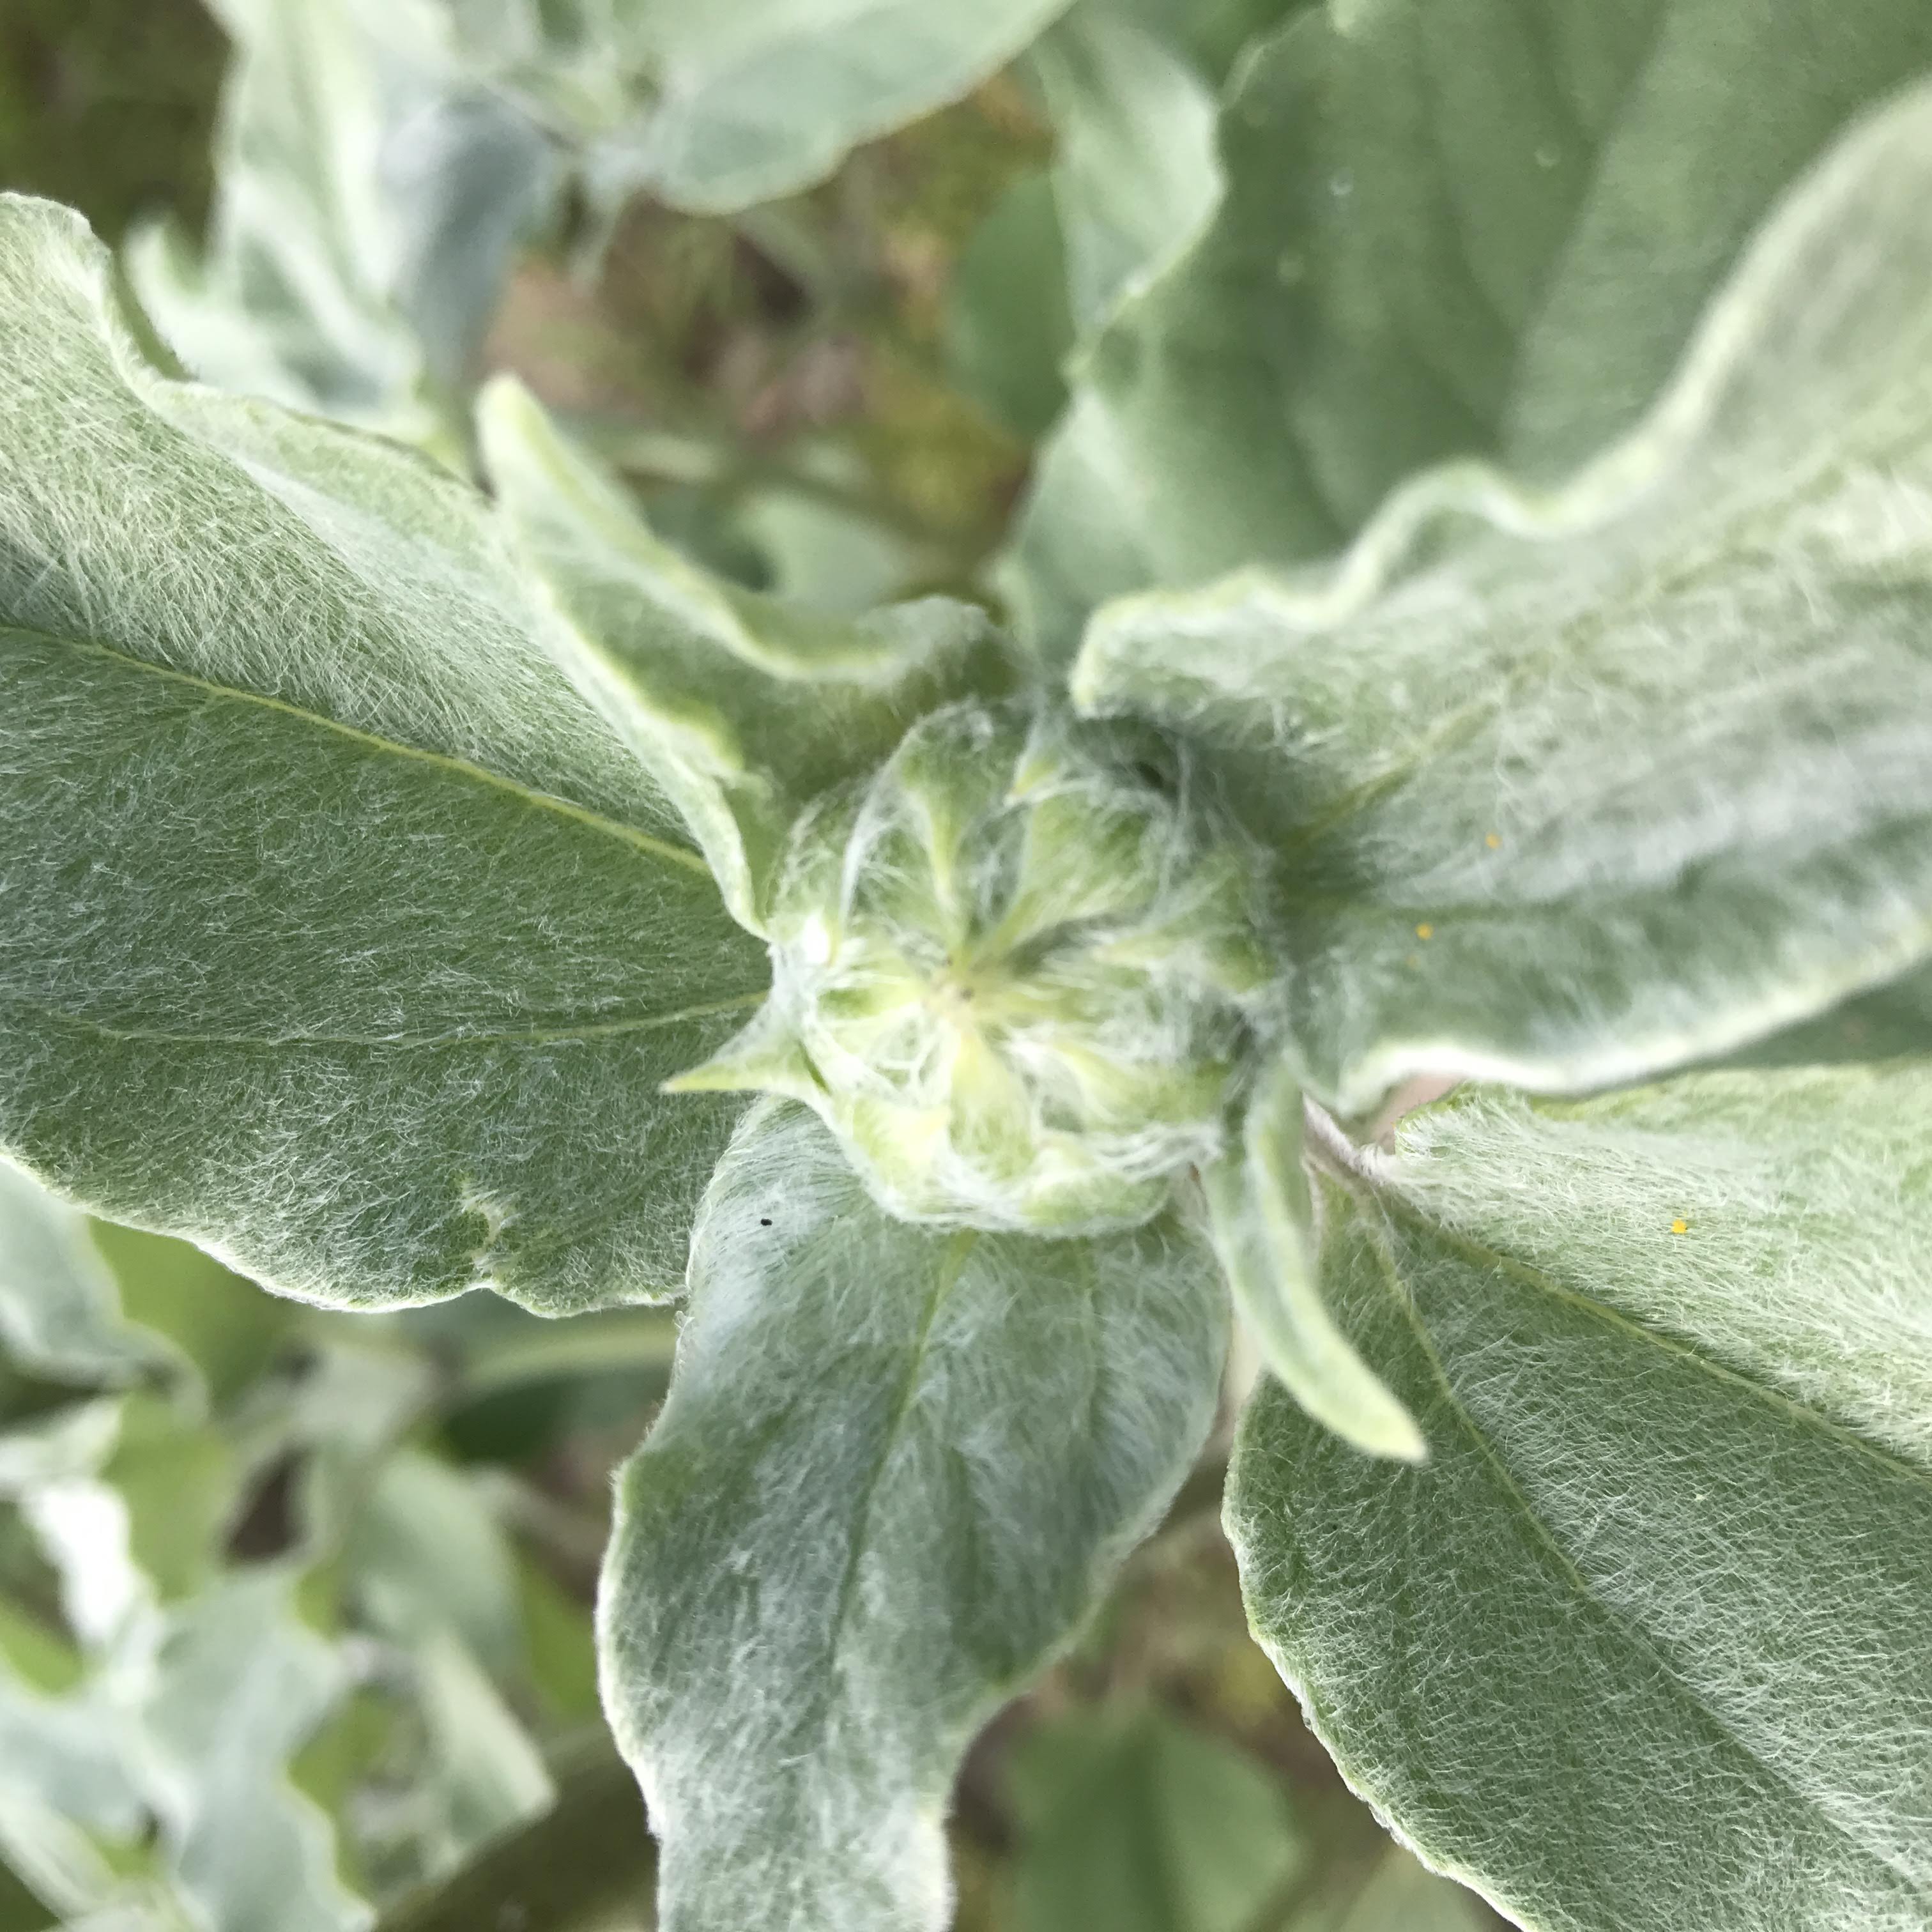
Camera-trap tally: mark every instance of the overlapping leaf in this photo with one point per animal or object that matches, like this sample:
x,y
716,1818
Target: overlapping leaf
x,y
716,106
1452,227
365,211
1566,789
742,707
1643,1645
894,1469
335,929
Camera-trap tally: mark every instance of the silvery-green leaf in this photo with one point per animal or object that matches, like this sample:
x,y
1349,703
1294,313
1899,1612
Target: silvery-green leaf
x,y
1132,1822
241,1683
1402,1895
1565,788
430,1566
364,214
1894,1023
53,1856
426,1553
753,99
742,708
485,1774
1008,324
715,107
1452,227
1644,1645
895,1470
1211,34
588,1860
59,1314
336,932
1134,171
1263,1217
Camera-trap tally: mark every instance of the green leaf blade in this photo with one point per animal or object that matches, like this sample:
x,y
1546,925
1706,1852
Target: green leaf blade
x,y
338,934
1569,788
742,707
1674,1527
1478,228
895,1470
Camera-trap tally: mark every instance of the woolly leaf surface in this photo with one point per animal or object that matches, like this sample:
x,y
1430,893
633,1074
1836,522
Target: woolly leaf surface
x,y
335,931
1568,788
1452,228
744,708
1643,1644
895,1469
365,211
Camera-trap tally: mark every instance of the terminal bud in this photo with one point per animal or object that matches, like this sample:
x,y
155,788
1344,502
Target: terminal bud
x,y
1012,972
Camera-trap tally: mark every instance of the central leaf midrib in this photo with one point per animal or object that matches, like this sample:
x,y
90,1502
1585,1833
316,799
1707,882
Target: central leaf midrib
x,y
551,1033
463,768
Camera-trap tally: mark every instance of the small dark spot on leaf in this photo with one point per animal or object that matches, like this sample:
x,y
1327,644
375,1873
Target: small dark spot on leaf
x,y
764,1220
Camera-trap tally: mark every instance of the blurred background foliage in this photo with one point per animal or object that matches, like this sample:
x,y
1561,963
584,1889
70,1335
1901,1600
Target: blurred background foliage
x,y
294,1608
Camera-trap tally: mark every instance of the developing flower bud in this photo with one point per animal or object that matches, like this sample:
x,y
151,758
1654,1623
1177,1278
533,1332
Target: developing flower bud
x,y
1010,973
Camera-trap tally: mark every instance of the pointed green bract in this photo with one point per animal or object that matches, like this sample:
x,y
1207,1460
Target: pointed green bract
x,y
743,708
335,931
1643,1645
1263,1217
895,1471
1567,789
1452,228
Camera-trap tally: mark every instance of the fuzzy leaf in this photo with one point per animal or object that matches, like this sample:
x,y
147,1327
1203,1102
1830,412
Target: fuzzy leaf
x,y
59,1314
713,107
242,1684
742,707
1135,173
1131,1822
1263,1217
364,216
1453,227
895,1470
1567,789
335,931
1008,326
1643,1646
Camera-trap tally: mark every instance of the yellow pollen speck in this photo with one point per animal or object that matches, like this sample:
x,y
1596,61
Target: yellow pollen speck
x,y
1493,842
1425,932
1680,1227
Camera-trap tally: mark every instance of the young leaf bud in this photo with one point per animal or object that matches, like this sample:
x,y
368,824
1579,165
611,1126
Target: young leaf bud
x,y
1012,972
